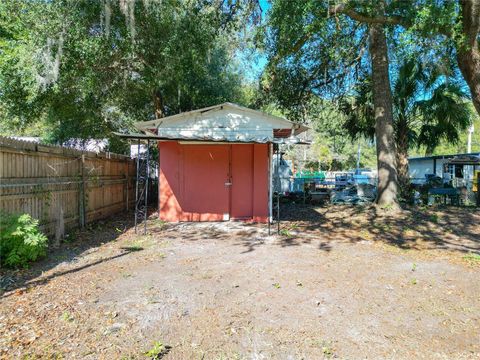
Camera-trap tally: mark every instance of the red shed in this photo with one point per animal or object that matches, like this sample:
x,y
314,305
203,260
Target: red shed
x,y
215,163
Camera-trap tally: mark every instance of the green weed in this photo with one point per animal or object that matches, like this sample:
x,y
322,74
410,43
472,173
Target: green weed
x,y
472,258
21,241
286,233
157,351
66,316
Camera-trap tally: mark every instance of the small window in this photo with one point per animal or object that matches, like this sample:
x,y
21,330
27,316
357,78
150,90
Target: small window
x,y
459,171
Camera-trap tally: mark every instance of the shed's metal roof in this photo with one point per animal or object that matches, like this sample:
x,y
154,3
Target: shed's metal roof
x,y
288,124
223,122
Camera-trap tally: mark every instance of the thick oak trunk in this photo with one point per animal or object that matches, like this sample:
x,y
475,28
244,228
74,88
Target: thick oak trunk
x,y
402,158
384,131
468,54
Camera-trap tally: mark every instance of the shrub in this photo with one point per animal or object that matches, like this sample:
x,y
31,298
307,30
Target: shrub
x,y
20,240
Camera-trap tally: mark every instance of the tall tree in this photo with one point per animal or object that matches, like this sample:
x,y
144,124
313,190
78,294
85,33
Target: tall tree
x,y
428,108
315,51
442,23
87,68
383,112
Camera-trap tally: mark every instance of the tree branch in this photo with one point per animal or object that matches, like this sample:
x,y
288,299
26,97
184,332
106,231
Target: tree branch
x,y
354,15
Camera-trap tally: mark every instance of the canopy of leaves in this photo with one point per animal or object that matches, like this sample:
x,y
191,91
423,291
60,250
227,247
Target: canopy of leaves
x,y
428,105
87,68
311,53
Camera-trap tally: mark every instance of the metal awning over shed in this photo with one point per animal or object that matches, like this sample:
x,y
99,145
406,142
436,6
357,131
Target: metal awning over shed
x,y
225,122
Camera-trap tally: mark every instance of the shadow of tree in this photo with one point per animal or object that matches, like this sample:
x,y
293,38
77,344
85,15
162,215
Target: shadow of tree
x,y
93,236
439,228
443,228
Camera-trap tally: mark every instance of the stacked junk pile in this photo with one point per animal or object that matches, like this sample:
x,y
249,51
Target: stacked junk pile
x,y
354,194
356,187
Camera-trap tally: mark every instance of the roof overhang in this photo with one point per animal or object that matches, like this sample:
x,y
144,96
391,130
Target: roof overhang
x,y
281,123
465,160
442,157
144,137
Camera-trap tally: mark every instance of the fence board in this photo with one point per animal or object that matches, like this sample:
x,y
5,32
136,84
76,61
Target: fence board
x,y
46,181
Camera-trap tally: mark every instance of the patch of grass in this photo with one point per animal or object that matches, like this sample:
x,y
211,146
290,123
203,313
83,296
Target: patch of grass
x,y
472,258
286,233
327,350
157,351
414,266
413,281
293,226
276,285
66,316
157,223
434,218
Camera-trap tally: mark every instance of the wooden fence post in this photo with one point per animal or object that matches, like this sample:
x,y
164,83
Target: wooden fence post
x,y
81,196
126,186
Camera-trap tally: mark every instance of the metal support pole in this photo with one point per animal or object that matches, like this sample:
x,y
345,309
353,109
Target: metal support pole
x,y
270,187
136,184
278,190
146,188
159,181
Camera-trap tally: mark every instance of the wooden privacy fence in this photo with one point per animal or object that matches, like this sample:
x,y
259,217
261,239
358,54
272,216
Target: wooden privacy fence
x,y
63,187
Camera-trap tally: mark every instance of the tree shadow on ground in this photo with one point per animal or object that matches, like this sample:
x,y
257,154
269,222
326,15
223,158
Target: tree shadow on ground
x,y
413,228
440,228
86,242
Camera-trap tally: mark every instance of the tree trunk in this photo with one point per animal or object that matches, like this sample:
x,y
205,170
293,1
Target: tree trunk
x,y
158,104
402,158
468,55
384,132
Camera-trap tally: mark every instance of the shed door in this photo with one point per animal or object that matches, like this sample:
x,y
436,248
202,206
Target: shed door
x,y
242,181
206,179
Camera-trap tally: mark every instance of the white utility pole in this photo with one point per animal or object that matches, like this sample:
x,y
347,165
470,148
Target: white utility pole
x,y
469,139
469,168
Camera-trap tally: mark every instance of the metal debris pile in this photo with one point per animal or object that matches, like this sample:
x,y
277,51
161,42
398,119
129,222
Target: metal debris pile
x,y
354,194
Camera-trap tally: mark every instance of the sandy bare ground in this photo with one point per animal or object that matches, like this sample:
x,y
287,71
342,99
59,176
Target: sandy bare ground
x,y
338,283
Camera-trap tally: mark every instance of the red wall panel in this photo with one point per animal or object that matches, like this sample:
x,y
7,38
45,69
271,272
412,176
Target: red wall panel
x,y
193,177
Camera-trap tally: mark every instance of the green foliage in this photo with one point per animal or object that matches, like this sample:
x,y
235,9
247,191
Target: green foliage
x,y
332,148
311,54
85,68
428,108
20,240
472,258
157,351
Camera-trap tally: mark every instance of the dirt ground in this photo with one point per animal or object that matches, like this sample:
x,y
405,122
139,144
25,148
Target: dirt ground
x,y
339,282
